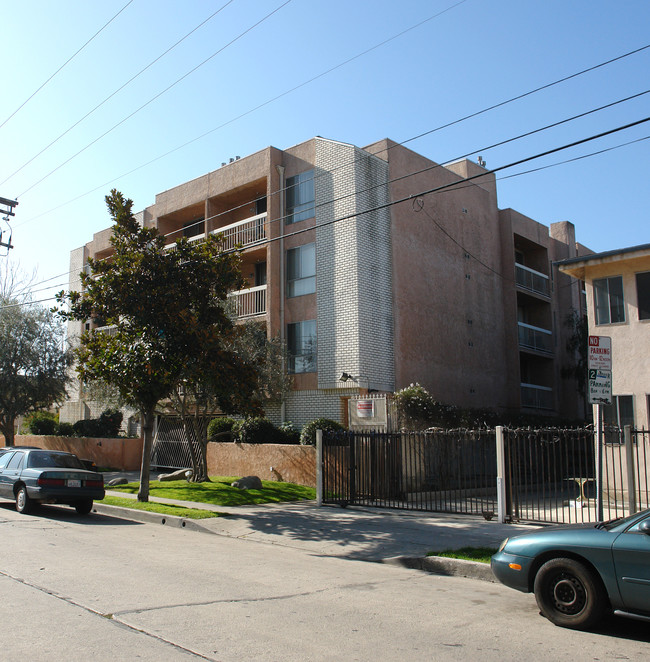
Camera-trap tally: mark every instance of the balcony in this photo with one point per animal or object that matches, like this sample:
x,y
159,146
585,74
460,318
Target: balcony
x,y
107,330
532,337
249,232
245,233
531,280
536,397
250,302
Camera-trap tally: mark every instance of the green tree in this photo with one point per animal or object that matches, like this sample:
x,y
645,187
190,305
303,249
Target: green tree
x,y
33,362
172,336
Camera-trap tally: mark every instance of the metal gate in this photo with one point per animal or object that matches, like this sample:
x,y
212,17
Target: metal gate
x,y
550,474
171,446
445,471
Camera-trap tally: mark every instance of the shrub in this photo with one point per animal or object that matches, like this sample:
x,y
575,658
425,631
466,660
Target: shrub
x,y
418,409
308,434
289,433
217,426
107,425
65,430
257,430
43,423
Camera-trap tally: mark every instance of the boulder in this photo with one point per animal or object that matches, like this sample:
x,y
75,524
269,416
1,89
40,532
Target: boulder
x,y
248,483
181,474
117,481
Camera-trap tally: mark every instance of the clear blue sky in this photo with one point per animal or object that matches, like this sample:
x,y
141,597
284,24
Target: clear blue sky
x,y
476,54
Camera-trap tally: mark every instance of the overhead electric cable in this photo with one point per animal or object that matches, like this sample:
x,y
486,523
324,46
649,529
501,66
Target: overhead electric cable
x,y
119,89
144,105
468,181
33,94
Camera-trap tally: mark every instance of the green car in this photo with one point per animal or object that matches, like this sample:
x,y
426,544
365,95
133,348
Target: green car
x,y
579,573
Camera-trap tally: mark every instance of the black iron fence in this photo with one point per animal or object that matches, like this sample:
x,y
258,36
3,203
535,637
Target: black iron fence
x,y
548,475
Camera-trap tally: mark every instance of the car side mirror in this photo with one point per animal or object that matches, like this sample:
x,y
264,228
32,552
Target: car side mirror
x,y
644,527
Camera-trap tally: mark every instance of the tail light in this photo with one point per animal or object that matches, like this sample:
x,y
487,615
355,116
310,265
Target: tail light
x,y
51,482
95,483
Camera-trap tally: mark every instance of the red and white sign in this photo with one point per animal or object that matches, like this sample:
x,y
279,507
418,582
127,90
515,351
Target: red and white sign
x,y
600,353
365,408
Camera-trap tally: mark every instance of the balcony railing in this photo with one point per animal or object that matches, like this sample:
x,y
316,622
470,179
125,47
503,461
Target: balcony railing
x,y
250,302
244,233
536,397
531,280
107,330
532,337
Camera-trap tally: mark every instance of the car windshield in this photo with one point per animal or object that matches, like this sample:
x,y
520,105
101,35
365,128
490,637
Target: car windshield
x,y
619,521
46,459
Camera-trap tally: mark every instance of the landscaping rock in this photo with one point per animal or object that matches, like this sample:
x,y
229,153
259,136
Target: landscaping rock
x,y
181,474
248,483
117,481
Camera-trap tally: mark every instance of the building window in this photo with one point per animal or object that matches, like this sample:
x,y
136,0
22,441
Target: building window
x,y
643,295
300,197
621,412
301,343
608,298
301,270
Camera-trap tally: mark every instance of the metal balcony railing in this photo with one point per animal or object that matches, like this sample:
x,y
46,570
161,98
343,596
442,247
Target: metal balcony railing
x,y
536,397
250,302
533,337
107,330
531,280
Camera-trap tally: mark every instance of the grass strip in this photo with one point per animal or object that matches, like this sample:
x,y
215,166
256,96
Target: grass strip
x,y
480,554
218,492
159,508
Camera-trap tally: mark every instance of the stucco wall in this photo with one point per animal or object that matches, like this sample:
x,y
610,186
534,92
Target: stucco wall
x,y
124,454
293,464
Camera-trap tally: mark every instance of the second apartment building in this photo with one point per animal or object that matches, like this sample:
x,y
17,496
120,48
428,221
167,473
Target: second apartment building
x,y
381,264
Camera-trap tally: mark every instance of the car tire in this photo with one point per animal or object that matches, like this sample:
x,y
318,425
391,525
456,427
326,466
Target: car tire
x,y
23,502
569,594
84,507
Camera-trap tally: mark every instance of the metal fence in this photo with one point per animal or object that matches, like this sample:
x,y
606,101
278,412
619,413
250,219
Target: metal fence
x,y
448,471
171,446
549,475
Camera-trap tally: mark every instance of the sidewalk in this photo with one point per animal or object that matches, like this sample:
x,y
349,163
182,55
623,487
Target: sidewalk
x,y
369,534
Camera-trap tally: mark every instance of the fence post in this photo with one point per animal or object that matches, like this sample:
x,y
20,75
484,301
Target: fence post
x,y
319,467
629,461
501,484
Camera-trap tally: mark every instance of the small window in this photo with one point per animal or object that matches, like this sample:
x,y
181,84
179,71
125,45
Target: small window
x,y
643,295
621,412
4,458
16,462
301,343
301,270
609,302
300,197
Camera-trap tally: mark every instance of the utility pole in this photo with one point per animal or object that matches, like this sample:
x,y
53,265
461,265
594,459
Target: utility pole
x,y
7,208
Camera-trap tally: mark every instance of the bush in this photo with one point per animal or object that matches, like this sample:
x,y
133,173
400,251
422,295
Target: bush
x,y
257,430
107,425
308,434
43,423
65,430
217,426
289,433
418,410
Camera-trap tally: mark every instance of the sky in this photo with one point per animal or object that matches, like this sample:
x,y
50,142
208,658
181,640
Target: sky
x,y
143,95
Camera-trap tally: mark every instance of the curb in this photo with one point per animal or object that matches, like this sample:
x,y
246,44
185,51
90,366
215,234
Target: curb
x,y
439,565
150,518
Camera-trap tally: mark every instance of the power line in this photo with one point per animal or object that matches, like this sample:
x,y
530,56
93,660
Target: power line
x,y
438,128
119,89
144,105
33,94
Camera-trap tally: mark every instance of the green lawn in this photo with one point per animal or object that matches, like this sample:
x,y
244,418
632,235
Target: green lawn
x,y
218,492
160,508
481,554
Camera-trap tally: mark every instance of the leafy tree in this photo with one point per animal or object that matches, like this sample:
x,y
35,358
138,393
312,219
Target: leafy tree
x,y
33,362
173,338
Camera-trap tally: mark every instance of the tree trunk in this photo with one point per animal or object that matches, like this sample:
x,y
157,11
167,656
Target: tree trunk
x,y
7,429
147,439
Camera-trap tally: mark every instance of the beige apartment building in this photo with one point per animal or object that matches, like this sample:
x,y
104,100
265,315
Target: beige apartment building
x,y
381,264
618,302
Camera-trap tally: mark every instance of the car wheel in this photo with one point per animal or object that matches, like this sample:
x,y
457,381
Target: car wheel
x,y
23,502
84,507
569,594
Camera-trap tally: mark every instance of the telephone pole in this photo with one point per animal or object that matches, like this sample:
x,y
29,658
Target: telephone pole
x,y
7,208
